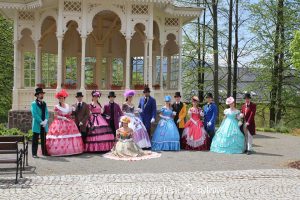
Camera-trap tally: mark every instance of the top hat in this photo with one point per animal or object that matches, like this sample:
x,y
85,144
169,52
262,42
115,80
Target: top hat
x,y
39,91
79,94
146,90
195,98
168,98
96,93
229,100
247,96
209,95
112,94
177,94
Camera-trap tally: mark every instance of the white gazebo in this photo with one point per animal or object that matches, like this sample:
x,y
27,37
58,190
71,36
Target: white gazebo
x,y
85,44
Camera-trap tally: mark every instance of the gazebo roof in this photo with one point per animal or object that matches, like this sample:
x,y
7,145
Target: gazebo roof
x,y
20,4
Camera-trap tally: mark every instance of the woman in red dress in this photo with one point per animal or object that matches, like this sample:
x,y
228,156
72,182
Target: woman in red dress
x,y
194,135
63,137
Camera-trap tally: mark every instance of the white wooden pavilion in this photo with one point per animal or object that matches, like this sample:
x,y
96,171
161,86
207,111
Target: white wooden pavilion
x,y
85,44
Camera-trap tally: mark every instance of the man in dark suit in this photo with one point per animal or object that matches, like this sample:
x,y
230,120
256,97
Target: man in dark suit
x,y
180,109
112,112
210,115
248,113
81,112
147,109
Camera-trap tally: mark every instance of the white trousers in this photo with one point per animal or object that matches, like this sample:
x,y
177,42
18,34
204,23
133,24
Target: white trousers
x,y
248,139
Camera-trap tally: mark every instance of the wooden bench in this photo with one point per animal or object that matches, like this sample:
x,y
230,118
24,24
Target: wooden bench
x,y
20,139
12,148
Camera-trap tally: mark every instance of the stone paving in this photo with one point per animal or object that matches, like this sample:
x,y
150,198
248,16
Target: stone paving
x,y
243,184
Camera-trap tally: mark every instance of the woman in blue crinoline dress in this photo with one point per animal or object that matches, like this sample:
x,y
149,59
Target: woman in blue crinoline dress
x,y
229,138
166,135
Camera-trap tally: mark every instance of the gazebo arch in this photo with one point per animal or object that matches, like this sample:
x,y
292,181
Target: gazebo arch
x,y
105,51
26,46
112,8
43,17
71,56
47,53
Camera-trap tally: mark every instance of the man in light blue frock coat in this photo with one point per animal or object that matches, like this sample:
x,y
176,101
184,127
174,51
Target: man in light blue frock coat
x,y
40,117
147,109
210,115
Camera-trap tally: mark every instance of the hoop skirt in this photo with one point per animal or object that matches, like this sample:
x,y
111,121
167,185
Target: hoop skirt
x,y
63,137
100,136
166,135
194,136
140,134
229,138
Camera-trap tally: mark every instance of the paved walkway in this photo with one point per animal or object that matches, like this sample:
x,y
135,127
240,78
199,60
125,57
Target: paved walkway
x,y
176,175
246,184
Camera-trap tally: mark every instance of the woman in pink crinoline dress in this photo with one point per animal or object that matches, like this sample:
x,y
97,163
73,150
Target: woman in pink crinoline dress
x,y
63,137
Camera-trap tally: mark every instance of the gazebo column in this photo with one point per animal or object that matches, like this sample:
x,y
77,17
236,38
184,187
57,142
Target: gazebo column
x,y
162,47
16,71
127,84
145,62
83,46
16,68
150,69
99,65
78,70
180,69
59,62
38,78
109,71
169,72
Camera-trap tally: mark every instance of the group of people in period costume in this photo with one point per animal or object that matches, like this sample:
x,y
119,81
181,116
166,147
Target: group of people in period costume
x,y
125,131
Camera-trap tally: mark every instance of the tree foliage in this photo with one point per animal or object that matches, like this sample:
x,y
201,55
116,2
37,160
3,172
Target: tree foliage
x,y
295,50
6,67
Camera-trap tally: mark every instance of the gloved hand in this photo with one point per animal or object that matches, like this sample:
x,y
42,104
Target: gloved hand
x,y
240,123
63,118
73,108
44,123
139,110
209,124
247,124
174,113
178,121
202,113
80,123
107,117
152,120
241,115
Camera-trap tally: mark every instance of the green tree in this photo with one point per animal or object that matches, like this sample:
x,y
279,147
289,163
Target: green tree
x,y
295,50
6,67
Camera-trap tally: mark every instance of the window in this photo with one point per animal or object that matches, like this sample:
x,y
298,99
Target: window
x,y
90,64
137,71
49,62
29,69
71,70
117,71
164,70
174,72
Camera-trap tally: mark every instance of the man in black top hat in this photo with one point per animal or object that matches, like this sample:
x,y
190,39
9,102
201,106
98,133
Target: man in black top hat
x,y
210,115
112,112
248,111
40,117
147,109
180,109
81,112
